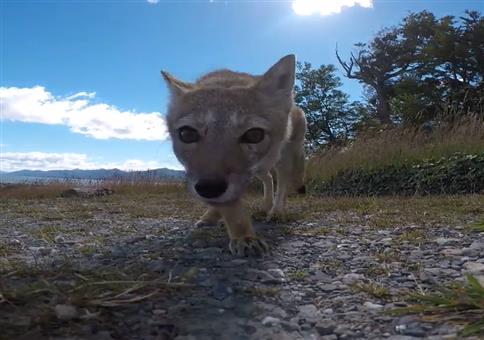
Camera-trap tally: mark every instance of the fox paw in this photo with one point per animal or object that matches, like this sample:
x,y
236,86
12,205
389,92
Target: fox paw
x,y
248,246
203,223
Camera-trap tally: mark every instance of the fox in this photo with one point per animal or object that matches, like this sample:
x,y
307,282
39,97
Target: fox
x,y
228,127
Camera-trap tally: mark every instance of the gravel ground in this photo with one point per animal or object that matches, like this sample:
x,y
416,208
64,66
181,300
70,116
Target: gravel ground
x,y
134,267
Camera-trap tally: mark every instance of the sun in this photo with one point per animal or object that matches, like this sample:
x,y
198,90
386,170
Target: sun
x,y
326,7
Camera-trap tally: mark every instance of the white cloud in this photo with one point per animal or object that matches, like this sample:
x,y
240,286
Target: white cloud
x,y
80,114
13,161
326,7
152,1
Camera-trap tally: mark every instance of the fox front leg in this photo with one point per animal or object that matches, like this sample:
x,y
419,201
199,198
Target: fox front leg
x,y
268,182
211,217
243,241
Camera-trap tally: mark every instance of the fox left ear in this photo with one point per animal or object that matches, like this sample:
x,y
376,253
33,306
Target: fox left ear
x,y
177,87
279,79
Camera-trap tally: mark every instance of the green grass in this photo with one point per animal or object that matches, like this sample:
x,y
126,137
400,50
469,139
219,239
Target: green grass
x,y
299,275
479,227
372,289
460,302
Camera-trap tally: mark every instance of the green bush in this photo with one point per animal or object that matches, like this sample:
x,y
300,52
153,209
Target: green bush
x,y
457,174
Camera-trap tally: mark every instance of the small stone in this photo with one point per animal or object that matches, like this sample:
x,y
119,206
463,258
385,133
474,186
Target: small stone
x,y
239,262
59,239
329,337
66,312
221,291
44,251
352,278
470,252
118,251
474,267
371,305
452,252
327,287
328,311
325,327
443,240
15,242
480,279
158,311
262,276
276,272
270,321
309,313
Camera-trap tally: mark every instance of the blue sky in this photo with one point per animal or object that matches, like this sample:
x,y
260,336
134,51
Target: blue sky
x,y
80,82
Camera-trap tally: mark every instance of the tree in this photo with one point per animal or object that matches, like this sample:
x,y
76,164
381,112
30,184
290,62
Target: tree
x,y
330,114
378,65
422,68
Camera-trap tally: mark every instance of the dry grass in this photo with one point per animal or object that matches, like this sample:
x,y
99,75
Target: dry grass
x,y
54,189
399,146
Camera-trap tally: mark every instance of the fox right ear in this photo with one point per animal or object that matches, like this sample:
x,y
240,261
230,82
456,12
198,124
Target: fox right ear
x,y
177,87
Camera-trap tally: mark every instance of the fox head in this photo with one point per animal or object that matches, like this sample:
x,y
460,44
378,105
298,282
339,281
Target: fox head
x,y
228,126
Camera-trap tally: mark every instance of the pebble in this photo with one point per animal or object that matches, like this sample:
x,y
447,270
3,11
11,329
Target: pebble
x,y
352,278
66,312
277,273
474,267
59,239
325,327
262,276
371,305
270,321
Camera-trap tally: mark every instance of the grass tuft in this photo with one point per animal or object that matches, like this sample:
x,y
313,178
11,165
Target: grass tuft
x,y
459,302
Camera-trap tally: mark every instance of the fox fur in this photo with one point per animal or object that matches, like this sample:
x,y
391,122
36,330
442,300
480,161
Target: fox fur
x,y
228,127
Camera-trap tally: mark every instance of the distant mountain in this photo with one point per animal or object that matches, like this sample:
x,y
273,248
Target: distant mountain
x,y
98,174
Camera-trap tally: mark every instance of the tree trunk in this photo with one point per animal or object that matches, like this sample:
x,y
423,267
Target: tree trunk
x,y
383,106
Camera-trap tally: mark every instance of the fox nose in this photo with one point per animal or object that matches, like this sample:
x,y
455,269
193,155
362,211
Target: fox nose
x,y
211,187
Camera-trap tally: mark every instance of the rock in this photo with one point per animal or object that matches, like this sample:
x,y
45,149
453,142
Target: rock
x,y
118,251
327,287
262,276
66,312
270,321
42,251
277,273
474,267
329,337
325,327
441,241
451,252
221,291
309,313
328,311
59,239
371,305
352,278
15,242
87,192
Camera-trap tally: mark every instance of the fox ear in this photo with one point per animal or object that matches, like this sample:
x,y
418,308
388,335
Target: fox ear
x,y
279,79
177,87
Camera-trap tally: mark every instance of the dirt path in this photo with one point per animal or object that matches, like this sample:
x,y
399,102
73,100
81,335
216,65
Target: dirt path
x,y
134,267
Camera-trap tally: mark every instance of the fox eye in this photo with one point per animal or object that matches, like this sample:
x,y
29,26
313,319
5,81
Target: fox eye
x,y
188,135
252,136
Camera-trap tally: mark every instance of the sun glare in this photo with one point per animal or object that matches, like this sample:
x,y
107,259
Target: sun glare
x,y
326,7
